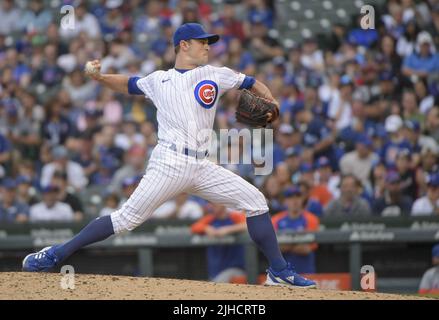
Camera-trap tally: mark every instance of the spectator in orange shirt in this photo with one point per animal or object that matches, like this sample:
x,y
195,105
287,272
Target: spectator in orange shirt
x,y
295,218
223,261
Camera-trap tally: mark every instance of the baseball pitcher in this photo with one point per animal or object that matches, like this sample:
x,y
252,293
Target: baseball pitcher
x,y
186,98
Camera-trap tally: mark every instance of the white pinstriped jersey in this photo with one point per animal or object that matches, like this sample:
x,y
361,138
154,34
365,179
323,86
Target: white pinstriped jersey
x,y
186,102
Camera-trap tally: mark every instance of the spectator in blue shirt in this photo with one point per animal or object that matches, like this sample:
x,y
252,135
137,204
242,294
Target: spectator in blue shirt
x,y
57,127
311,98
49,73
363,37
260,13
106,168
36,18
316,135
12,210
240,59
424,60
297,219
286,137
393,203
293,161
161,44
112,20
5,153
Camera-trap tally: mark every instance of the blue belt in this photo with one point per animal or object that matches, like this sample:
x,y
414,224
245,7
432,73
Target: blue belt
x,y
189,152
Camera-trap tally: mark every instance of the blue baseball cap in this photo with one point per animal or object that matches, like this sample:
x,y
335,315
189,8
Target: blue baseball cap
x,y
364,139
108,162
305,168
193,31
378,131
386,76
12,110
257,17
435,251
392,177
412,125
290,80
323,162
165,22
24,180
293,151
292,191
433,180
298,106
346,80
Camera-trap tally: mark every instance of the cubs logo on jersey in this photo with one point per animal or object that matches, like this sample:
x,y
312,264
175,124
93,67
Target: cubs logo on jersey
x,y
206,93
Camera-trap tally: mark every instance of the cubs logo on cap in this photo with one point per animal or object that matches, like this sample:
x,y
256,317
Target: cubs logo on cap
x,y
206,93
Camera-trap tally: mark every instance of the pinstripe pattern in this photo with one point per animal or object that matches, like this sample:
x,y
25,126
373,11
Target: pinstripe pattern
x,y
176,103
169,173
165,177
219,185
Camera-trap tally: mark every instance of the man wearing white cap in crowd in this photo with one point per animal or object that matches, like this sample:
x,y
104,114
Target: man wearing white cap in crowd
x,y
396,141
286,138
424,60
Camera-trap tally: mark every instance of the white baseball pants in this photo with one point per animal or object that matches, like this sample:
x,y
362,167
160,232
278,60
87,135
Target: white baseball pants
x,y
170,173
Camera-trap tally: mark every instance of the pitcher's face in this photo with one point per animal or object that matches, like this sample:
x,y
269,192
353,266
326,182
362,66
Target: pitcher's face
x,y
198,51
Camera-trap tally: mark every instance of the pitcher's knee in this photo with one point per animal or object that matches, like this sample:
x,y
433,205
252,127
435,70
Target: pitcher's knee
x,y
126,219
258,207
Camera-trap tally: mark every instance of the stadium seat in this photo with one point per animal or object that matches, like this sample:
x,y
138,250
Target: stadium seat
x,y
293,24
328,5
313,25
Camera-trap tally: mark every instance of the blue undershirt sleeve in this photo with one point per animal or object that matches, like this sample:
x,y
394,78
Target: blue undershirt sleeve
x,y
132,86
247,83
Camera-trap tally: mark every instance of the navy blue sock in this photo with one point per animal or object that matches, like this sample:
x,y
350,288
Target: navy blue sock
x,y
262,233
97,230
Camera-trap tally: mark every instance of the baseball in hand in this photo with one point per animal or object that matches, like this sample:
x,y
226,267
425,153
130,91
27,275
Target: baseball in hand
x,y
92,68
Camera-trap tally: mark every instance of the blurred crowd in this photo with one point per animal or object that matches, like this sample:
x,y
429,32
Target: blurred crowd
x,y
358,132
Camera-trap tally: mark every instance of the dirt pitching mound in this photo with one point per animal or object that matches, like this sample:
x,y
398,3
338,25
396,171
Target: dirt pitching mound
x,y
21,285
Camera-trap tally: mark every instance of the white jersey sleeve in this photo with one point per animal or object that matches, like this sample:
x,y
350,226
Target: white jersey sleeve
x,y
146,85
228,78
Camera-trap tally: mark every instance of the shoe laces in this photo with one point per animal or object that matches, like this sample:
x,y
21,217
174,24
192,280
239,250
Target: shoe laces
x,y
46,255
